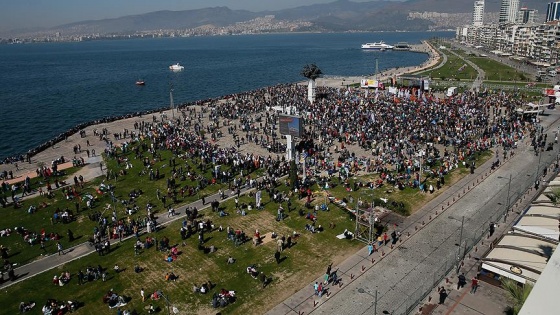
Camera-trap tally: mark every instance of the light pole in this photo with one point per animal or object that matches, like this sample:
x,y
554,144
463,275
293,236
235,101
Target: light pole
x,y
507,203
460,240
166,300
362,290
508,195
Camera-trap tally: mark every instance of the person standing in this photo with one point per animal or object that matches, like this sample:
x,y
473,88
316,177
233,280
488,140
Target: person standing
x,y
59,248
474,285
492,228
442,295
277,257
262,277
462,281
70,235
142,294
43,246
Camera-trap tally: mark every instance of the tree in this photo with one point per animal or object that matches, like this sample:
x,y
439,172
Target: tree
x,y
554,196
311,72
517,294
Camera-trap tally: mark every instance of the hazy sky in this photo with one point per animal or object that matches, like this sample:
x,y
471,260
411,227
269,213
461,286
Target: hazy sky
x,y
16,14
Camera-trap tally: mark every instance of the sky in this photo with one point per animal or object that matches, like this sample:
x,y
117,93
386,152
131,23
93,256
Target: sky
x,y
22,14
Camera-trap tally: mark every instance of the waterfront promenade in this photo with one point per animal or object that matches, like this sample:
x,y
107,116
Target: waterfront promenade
x,y
417,252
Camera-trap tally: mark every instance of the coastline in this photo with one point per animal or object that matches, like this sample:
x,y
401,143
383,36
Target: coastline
x,y
63,144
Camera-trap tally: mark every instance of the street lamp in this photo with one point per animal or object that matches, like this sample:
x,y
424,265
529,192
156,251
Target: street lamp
x,y
507,201
460,240
175,310
362,290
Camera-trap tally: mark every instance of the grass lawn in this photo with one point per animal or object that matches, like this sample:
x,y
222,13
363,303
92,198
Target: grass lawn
x,y
301,263
498,71
21,251
454,69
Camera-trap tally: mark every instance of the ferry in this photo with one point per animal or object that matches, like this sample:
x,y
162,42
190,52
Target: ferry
x,y
176,67
377,46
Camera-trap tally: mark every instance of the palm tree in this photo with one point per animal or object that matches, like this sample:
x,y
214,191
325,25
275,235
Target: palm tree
x,y
554,196
311,72
517,294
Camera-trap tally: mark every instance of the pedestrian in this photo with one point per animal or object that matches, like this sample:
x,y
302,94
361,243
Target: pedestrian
x,y
320,290
80,277
59,248
70,235
442,295
263,279
492,228
277,257
316,288
280,245
43,246
203,200
474,285
142,294
462,281
370,248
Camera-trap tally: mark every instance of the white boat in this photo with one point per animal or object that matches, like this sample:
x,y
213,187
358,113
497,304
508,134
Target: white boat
x,y
377,46
176,67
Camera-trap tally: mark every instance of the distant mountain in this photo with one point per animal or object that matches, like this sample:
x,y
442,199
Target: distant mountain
x,y
341,15
343,9
463,6
218,16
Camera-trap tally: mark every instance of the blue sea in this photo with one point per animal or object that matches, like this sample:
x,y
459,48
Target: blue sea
x,y
48,88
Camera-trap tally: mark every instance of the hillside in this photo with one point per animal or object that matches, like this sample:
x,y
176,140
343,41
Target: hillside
x,y
338,16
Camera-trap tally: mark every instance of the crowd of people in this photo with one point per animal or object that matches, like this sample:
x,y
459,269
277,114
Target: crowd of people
x,y
346,131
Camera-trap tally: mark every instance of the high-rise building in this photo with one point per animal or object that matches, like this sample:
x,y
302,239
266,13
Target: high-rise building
x,y
525,16
478,13
553,11
508,11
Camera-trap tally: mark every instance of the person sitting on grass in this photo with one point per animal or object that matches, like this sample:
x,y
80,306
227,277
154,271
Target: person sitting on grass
x,y
203,288
170,276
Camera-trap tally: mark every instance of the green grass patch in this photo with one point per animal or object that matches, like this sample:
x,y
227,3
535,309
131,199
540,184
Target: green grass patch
x,y
455,69
301,263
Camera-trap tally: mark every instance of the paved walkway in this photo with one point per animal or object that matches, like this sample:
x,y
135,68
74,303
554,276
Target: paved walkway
x,y
477,83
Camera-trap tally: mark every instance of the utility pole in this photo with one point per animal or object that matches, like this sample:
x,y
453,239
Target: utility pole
x,y
460,243
171,101
507,202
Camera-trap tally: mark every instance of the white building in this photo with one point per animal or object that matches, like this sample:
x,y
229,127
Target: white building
x,y
508,11
478,13
553,11
526,16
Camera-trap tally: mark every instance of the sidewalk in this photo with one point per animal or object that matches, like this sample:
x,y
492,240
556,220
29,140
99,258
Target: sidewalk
x,y
488,298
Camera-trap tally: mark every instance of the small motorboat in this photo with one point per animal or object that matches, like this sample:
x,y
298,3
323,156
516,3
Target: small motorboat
x,y
176,67
140,82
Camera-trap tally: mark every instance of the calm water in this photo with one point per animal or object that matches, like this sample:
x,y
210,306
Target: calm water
x,y
48,88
